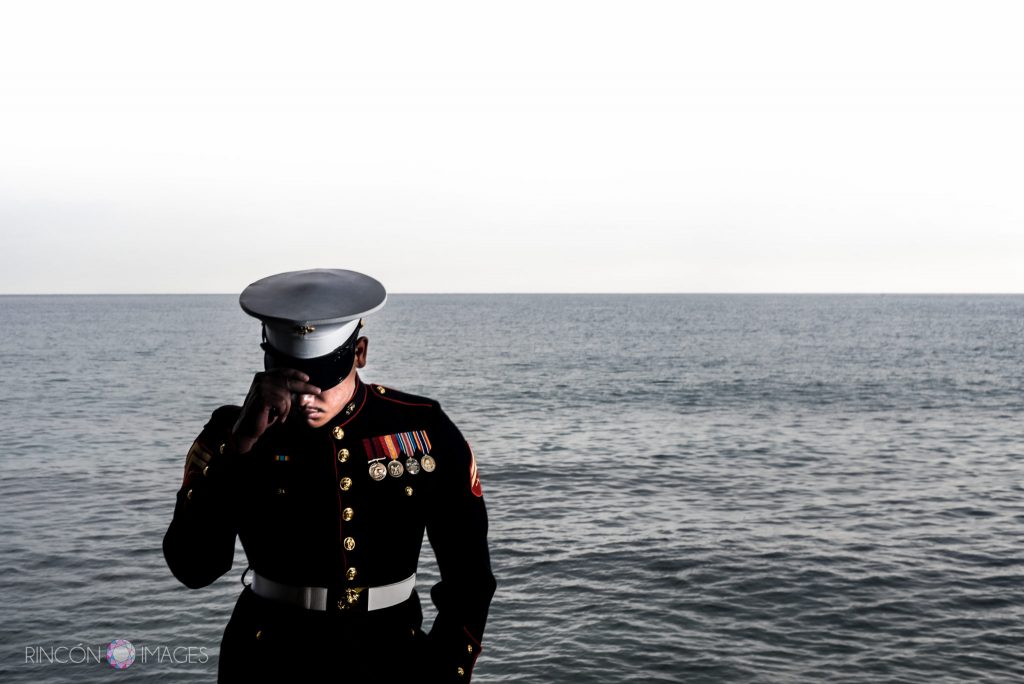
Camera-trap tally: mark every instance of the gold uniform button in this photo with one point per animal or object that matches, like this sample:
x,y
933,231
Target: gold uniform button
x,y
460,672
338,432
343,455
347,514
469,648
380,388
350,574
345,484
222,447
350,543
408,491
259,633
206,469
188,494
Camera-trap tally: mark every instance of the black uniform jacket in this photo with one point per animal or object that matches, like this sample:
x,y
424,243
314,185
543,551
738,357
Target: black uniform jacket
x,y
309,513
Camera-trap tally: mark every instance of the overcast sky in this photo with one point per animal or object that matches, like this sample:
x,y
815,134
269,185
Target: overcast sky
x,y
513,147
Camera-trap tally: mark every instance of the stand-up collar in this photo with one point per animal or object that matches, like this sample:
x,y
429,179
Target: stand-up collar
x,y
352,409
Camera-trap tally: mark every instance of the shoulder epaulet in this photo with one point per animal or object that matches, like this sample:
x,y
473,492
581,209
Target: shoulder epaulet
x,y
399,397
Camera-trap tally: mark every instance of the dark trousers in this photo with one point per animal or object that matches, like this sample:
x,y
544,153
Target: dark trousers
x,y
266,641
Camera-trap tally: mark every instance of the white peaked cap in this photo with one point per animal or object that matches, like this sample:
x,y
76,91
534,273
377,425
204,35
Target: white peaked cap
x,y
311,313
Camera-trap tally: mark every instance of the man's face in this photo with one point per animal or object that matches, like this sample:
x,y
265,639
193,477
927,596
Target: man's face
x,y
317,410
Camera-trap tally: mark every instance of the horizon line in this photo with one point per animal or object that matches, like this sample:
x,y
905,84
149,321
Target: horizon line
x,y
552,292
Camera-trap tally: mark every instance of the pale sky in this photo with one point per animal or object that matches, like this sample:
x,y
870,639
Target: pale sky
x,y
513,147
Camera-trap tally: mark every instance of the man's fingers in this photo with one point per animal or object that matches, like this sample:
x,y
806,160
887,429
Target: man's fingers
x,y
277,407
294,380
289,373
298,387
271,397
292,373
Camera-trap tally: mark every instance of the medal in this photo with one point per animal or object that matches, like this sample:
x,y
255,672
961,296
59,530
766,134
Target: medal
x,y
412,466
428,463
395,469
377,471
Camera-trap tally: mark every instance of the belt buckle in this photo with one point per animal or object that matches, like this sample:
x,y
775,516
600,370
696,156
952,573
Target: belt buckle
x,y
350,598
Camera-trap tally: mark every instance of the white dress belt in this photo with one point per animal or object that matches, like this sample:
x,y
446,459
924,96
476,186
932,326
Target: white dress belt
x,y
315,598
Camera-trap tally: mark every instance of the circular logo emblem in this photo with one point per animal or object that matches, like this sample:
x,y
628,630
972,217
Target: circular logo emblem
x,y
120,654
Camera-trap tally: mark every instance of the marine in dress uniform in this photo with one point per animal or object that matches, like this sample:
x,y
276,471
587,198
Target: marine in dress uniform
x,y
331,509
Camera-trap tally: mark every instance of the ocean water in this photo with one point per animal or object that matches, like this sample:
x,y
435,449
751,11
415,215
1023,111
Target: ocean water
x,y
681,488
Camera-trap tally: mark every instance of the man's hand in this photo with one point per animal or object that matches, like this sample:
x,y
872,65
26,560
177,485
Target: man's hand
x,y
268,401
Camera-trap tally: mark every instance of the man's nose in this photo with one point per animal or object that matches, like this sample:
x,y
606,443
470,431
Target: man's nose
x,y
305,399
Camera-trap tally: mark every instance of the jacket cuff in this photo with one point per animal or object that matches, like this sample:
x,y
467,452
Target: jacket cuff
x,y
455,654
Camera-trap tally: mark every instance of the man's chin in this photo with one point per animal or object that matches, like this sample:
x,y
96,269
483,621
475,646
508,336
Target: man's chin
x,y
315,419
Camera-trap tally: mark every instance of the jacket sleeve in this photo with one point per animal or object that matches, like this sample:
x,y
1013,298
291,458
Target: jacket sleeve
x,y
457,530
199,545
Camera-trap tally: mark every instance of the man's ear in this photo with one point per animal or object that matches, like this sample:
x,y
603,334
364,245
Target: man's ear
x,y
361,345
